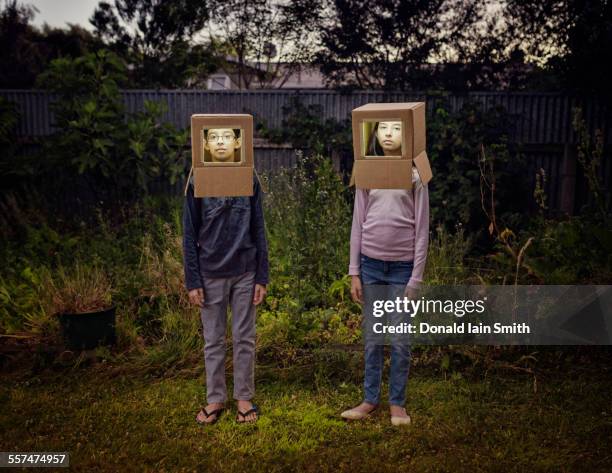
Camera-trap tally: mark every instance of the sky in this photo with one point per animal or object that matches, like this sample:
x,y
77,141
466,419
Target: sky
x,y
60,12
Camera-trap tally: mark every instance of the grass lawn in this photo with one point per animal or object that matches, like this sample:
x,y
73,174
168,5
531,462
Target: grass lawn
x,y
138,422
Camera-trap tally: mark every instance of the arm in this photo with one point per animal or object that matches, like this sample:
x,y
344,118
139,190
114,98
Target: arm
x,y
361,200
258,231
191,226
421,229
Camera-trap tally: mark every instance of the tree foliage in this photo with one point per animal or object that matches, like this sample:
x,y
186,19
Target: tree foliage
x,y
157,39
392,44
26,51
265,41
571,37
463,45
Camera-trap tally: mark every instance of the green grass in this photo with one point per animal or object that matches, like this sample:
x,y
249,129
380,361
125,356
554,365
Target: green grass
x,y
130,422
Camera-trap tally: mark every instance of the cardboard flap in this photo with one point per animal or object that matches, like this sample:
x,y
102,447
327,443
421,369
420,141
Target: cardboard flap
x,y
383,174
223,181
352,181
422,164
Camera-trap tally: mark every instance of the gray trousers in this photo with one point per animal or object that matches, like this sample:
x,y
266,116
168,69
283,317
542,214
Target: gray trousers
x,y
238,291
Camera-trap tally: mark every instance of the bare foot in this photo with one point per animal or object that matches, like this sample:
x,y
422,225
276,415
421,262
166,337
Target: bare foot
x,y
244,406
213,406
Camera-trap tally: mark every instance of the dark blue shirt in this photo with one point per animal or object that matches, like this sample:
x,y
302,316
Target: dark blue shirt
x,y
224,237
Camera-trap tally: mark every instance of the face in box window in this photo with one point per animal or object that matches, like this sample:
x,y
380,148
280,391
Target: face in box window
x,y
383,138
222,145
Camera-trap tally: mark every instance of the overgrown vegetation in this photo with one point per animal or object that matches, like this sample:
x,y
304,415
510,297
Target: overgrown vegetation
x,y
475,235
552,250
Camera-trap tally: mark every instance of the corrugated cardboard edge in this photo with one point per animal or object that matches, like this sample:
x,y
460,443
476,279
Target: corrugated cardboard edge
x,y
422,164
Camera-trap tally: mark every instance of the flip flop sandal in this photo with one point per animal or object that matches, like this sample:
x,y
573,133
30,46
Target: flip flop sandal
x,y
217,413
245,414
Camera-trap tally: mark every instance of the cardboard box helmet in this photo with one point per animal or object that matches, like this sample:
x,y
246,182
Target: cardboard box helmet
x,y
387,139
222,155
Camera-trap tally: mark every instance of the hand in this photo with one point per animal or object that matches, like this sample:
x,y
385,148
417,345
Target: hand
x,y
259,294
411,293
356,289
196,297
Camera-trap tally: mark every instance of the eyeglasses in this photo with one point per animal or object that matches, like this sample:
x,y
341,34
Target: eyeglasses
x,y
227,137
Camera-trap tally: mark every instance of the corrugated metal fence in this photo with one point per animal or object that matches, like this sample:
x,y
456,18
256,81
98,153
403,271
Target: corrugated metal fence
x,y
543,121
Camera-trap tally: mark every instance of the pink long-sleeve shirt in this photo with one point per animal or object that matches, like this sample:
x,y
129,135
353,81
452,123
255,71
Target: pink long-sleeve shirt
x,y
391,225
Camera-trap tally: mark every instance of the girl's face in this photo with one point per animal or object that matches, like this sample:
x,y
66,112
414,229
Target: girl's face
x,y
389,135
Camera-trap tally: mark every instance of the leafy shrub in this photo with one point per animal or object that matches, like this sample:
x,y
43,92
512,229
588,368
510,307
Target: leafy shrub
x,y
308,219
455,143
575,249
304,127
19,299
118,154
12,167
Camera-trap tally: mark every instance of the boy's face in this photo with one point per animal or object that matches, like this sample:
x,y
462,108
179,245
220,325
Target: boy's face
x,y
221,143
389,135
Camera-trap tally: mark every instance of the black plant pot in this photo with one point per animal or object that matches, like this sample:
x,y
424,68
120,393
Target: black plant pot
x,y
89,330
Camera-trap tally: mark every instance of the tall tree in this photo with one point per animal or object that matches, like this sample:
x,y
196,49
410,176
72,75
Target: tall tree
x,y
571,38
393,44
26,51
20,60
265,40
157,38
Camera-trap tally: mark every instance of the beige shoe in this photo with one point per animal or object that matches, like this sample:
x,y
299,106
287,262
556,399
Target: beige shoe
x,y
356,414
397,421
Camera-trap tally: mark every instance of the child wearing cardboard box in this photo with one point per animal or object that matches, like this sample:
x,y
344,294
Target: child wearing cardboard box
x,y
389,235
226,263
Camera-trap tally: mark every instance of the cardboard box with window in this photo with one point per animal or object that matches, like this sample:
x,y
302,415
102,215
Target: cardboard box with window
x,y
222,155
387,139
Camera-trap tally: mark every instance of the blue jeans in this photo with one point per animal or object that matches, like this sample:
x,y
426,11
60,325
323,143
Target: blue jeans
x,y
396,275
